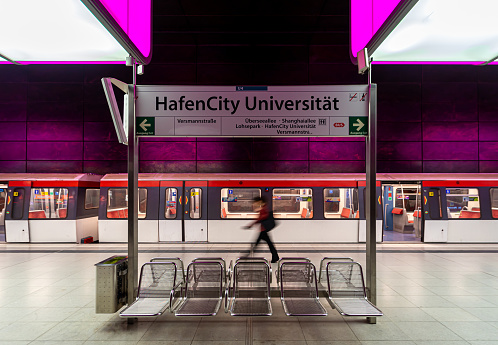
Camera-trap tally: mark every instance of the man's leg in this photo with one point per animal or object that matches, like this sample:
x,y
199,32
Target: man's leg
x,y
274,255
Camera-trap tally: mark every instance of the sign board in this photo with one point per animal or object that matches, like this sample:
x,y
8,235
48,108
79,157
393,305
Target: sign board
x,y
255,111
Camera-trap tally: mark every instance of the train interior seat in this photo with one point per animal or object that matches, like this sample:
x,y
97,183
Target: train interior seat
x,y
223,213
37,214
346,212
62,213
470,214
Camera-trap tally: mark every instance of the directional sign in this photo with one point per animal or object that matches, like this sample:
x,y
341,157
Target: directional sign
x,y
358,125
237,111
146,125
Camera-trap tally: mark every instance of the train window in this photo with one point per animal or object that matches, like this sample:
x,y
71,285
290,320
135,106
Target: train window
x,y
195,203
3,193
494,202
407,198
237,202
18,203
92,198
171,197
340,203
293,203
48,203
463,203
117,203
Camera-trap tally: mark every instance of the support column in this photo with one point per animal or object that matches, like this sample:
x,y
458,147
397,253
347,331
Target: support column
x,y
132,195
371,202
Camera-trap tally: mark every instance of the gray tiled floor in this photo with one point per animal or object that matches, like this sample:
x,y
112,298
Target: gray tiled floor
x,y
428,297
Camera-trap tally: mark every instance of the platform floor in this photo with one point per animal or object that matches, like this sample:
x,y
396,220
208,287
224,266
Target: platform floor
x,y
430,294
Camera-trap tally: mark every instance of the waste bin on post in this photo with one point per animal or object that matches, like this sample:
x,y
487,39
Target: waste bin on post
x,y
112,287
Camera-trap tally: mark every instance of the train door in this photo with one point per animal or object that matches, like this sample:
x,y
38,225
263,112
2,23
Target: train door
x,y
195,211
402,212
16,213
436,217
387,208
3,197
170,221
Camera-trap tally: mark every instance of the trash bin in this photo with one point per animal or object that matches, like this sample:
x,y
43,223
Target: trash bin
x,y
112,287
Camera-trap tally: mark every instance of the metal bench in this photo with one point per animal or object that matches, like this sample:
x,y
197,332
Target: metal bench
x,y
215,259
346,290
299,289
203,291
322,275
293,259
180,278
255,259
156,290
251,288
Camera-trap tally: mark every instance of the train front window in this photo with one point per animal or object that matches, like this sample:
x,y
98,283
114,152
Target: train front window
x,y
494,202
92,198
463,203
48,203
117,203
236,203
195,203
293,203
171,198
340,203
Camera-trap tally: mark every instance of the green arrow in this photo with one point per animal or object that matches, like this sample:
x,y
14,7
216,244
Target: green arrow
x,y
359,124
144,125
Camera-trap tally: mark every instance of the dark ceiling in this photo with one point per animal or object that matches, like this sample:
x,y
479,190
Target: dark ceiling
x,y
222,22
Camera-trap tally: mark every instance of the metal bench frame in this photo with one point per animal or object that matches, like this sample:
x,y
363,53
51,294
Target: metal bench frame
x,y
323,266
177,261
202,308
347,302
290,258
301,306
252,303
158,307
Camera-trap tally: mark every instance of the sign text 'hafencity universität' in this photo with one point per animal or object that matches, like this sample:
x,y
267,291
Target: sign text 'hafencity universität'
x,y
305,111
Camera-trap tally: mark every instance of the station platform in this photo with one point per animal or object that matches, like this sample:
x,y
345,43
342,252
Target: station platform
x,y
429,293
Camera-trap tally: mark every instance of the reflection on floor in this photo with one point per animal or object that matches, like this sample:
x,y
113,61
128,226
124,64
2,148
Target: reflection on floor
x,y
429,293
2,233
395,236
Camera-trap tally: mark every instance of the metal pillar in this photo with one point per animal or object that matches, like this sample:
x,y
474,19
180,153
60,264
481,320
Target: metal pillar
x,y
132,195
371,187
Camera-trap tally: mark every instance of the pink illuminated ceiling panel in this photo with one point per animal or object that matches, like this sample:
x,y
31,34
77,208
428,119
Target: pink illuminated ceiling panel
x,y
134,17
95,31
367,16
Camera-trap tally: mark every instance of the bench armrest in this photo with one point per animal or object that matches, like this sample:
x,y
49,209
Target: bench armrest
x,y
172,293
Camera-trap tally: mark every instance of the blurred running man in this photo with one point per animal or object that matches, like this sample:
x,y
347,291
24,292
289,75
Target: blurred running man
x,y
267,224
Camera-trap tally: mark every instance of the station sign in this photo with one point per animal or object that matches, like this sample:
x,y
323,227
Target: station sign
x,y
254,111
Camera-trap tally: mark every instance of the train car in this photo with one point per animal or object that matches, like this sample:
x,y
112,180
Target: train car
x,y
309,207
51,207
312,208
215,207
453,208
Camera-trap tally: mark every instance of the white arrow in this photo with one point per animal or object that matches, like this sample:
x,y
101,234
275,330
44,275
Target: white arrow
x,y
359,125
144,125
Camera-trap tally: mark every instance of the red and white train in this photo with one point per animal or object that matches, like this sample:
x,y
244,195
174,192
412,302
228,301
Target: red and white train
x,y
311,208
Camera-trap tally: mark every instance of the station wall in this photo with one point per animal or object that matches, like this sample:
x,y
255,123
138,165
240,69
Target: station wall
x,y
432,118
